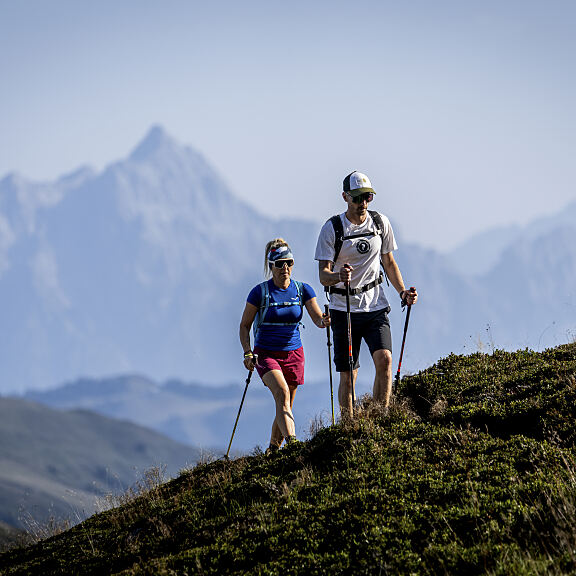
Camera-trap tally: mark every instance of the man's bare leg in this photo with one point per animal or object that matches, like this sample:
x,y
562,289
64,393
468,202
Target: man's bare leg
x,y
345,397
383,379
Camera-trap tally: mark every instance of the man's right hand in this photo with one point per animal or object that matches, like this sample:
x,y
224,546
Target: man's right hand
x,y
345,273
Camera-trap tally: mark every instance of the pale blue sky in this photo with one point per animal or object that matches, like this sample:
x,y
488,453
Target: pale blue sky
x,y
462,113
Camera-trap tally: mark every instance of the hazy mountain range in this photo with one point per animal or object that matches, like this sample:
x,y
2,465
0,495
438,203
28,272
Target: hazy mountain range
x,y
143,268
121,293
202,416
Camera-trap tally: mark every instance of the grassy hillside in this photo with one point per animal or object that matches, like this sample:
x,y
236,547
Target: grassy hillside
x,y
54,464
471,472
9,535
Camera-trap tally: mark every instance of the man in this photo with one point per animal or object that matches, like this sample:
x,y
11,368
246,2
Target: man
x,y
350,257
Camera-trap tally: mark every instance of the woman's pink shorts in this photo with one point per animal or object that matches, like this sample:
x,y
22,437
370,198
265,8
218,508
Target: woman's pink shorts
x,y
289,362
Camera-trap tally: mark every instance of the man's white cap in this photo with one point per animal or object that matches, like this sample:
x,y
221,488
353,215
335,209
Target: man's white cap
x,y
357,183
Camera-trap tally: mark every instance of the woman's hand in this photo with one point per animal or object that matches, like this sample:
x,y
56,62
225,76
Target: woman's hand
x,y
325,321
250,360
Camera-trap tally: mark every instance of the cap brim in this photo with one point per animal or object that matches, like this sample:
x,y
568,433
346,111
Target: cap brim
x,y
358,191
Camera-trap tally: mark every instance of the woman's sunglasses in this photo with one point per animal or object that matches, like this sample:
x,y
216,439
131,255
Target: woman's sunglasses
x,y
281,263
368,196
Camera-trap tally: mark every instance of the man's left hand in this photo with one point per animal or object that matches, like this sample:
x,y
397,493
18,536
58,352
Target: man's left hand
x,y
409,297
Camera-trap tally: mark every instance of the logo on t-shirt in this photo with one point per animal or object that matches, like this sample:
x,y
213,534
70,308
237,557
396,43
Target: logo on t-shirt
x,y
363,247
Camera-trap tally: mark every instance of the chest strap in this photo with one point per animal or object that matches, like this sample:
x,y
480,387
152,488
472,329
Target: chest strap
x,y
353,291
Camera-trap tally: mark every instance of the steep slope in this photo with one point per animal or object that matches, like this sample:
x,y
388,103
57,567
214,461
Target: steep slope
x,y
56,464
478,478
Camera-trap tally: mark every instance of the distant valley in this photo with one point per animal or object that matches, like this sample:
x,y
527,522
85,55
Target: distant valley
x,y
61,465
201,416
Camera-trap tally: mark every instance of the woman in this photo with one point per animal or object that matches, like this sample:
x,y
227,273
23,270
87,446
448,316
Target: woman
x,y
275,308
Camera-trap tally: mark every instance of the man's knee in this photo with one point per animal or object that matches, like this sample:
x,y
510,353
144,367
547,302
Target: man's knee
x,y
382,359
344,378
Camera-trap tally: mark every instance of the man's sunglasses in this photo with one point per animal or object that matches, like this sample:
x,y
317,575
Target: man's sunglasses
x,y
281,263
368,196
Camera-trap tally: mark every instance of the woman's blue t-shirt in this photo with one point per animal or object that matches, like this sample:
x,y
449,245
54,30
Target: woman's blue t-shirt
x,y
281,337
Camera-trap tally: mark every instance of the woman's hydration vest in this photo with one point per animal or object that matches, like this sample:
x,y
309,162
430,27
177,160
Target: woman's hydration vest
x,y
265,304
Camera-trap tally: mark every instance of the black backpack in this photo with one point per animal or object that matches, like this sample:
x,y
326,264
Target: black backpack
x,y
339,240
339,231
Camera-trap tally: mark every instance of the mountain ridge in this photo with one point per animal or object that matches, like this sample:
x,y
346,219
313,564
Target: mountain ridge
x,y
144,267
188,412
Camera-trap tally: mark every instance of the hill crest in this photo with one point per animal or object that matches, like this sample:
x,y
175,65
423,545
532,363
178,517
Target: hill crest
x,y
471,471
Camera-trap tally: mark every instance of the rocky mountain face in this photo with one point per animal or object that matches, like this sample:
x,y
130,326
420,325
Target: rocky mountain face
x,y
144,268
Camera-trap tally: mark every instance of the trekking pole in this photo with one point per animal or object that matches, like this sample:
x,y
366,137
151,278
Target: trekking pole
x,y
326,309
397,378
350,356
240,409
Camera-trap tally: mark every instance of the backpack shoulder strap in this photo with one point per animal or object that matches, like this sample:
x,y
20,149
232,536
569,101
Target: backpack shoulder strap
x,y
300,291
264,305
377,220
338,234
339,230
380,226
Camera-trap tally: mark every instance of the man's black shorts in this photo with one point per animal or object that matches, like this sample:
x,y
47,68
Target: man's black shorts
x,y
373,327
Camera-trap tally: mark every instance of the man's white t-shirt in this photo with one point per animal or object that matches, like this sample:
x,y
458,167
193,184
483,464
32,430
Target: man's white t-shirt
x,y
363,254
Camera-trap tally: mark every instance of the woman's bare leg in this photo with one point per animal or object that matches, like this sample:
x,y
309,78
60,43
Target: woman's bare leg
x,y
283,425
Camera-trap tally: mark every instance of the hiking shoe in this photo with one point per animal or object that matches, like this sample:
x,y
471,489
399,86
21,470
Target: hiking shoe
x,y
272,449
291,440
